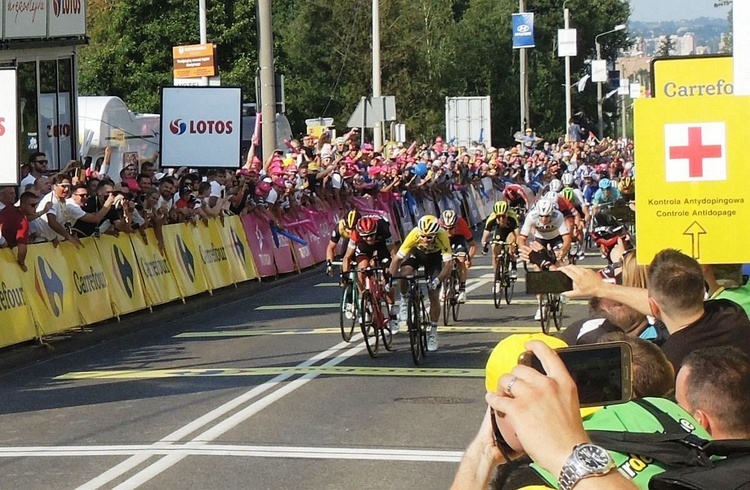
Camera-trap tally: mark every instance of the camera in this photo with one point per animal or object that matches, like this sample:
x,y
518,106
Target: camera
x,y
543,282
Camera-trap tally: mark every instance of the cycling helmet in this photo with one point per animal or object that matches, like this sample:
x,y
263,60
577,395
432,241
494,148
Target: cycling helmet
x,y
568,194
449,218
351,219
551,195
555,185
567,179
545,207
626,182
428,225
366,226
511,194
605,184
500,208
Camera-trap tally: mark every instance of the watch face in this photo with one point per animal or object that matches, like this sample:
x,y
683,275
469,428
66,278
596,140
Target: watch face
x,y
594,457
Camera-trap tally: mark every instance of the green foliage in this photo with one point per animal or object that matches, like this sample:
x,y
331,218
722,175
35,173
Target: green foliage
x,y
430,50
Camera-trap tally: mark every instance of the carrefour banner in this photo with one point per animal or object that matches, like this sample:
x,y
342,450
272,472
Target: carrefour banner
x,y
158,281
200,126
523,30
89,281
240,259
121,270
259,237
182,254
212,255
50,284
16,322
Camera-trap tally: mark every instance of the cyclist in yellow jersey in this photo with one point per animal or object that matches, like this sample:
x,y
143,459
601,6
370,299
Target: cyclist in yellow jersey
x,y
343,229
426,245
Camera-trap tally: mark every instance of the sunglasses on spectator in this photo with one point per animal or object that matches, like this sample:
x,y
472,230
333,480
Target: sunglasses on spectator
x,y
66,186
85,194
43,162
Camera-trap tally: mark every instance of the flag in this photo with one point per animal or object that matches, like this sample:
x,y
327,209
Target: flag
x,y
582,82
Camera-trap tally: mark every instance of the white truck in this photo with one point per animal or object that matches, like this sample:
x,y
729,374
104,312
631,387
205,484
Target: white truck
x,y
107,121
467,121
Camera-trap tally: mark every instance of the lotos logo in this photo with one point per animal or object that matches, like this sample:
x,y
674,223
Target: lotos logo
x,y
65,7
49,286
123,271
238,246
177,127
201,126
187,261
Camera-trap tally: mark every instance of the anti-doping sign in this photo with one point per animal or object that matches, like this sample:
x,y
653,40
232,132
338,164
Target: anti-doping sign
x,y
201,126
9,157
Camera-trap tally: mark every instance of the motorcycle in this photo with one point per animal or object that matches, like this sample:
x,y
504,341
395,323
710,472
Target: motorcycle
x,y
605,232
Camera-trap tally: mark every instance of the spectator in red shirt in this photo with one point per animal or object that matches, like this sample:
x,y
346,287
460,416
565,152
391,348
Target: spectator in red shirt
x,y
14,227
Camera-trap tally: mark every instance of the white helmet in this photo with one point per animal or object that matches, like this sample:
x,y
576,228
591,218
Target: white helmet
x,y
567,179
552,196
555,185
545,207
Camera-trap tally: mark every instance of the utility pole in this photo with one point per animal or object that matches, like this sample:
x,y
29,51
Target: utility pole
x,y
202,28
267,87
568,105
523,87
599,99
377,140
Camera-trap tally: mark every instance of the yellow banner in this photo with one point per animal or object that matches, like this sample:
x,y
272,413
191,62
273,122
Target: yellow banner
x,y
121,270
698,76
239,255
50,285
182,253
158,280
89,282
212,254
15,313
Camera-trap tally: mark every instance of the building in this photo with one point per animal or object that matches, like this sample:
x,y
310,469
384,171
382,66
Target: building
x,y
39,40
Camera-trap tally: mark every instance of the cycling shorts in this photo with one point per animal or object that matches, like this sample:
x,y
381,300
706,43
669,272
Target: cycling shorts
x,y
458,244
379,250
432,262
553,242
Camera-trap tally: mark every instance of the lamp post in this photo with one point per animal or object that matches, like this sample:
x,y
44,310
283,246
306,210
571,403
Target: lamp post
x,y
599,96
568,108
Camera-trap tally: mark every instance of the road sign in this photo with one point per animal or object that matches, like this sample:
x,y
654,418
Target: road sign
x,y
363,116
692,177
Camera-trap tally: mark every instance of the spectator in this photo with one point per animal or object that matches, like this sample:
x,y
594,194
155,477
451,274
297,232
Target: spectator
x,y
41,186
675,297
725,281
76,204
105,207
38,162
58,217
13,225
713,385
144,184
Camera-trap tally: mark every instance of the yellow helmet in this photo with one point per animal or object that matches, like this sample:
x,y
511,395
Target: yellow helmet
x,y
351,219
500,208
428,225
504,356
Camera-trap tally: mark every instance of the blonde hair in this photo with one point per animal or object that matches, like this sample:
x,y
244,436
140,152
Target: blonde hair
x,y
633,275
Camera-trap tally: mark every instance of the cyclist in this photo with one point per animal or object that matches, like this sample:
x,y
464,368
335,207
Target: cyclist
x,y
462,241
429,246
547,226
343,229
371,244
571,215
501,226
626,186
607,194
517,197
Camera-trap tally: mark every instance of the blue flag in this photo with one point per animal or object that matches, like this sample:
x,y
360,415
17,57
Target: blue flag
x,y
523,30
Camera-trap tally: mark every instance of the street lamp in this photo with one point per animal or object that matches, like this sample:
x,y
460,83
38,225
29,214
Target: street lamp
x,y
599,96
568,109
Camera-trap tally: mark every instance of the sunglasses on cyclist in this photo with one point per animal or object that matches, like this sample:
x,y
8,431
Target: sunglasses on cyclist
x,y
427,238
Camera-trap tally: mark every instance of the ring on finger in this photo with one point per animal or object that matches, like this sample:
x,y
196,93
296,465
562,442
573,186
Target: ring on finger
x,y
509,386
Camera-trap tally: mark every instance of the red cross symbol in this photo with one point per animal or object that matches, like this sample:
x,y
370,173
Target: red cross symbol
x,y
695,152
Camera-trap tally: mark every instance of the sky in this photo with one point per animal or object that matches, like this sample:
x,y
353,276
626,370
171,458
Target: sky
x,y
660,10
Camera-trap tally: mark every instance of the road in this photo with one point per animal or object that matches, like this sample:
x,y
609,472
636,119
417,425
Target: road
x,y
258,392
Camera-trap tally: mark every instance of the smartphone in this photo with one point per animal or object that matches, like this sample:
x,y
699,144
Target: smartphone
x,y
542,282
603,372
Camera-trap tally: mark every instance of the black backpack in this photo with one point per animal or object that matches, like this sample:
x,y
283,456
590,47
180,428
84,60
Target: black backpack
x,y
689,456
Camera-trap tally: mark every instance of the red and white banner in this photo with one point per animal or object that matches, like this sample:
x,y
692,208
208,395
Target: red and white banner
x,y
259,238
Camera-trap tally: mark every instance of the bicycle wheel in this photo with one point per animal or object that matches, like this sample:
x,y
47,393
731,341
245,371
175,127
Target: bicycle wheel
x,y
498,282
367,322
347,324
425,325
544,308
557,311
447,292
414,324
385,324
455,305
508,283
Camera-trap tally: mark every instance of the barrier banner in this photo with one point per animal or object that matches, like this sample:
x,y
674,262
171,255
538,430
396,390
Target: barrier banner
x,y
282,255
89,281
212,255
159,283
240,259
51,291
475,216
182,254
258,235
303,253
16,322
319,244
121,270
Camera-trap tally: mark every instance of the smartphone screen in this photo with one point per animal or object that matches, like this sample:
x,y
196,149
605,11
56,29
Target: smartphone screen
x,y
542,282
602,372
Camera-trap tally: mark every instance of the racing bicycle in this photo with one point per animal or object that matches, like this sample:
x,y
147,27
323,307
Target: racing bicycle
x,y
451,286
418,319
349,306
550,305
374,312
504,284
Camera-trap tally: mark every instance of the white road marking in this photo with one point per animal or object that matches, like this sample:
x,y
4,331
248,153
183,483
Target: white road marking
x,y
381,454
206,419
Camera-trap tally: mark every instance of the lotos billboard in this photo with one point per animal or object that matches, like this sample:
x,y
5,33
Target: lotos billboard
x,y
200,126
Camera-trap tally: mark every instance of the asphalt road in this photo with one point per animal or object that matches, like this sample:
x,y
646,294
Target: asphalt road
x,y
255,392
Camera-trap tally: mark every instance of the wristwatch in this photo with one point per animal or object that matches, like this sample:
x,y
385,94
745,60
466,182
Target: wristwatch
x,y
585,461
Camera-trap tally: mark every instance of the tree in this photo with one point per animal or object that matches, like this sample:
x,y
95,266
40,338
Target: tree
x,y
666,46
728,37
